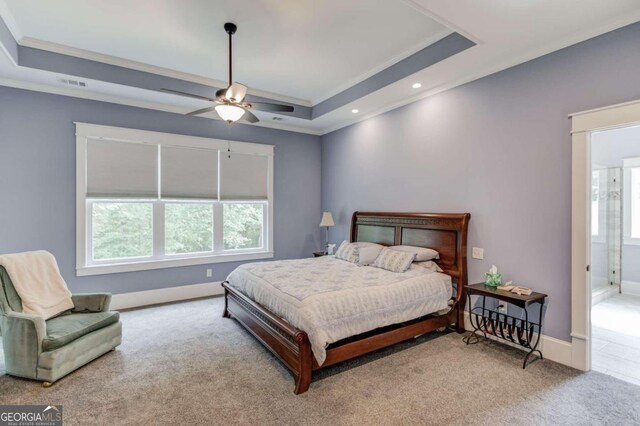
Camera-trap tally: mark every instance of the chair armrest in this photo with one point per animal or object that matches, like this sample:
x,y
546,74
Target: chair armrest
x,y
24,327
91,302
22,336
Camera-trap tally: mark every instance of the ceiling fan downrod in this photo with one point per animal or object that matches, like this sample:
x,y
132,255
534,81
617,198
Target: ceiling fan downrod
x,y
231,29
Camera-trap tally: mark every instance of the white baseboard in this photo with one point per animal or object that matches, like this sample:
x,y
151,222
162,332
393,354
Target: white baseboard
x,y
631,287
165,295
603,294
552,349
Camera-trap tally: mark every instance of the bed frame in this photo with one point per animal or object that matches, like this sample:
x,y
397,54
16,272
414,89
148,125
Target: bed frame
x,y
446,233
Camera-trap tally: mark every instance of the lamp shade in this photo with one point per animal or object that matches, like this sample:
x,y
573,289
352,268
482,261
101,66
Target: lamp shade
x,y
229,113
327,219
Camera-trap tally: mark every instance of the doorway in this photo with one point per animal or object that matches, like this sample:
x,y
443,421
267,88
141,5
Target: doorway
x,y
584,125
615,252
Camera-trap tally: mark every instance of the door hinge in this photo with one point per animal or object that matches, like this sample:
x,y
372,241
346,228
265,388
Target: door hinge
x,y
588,268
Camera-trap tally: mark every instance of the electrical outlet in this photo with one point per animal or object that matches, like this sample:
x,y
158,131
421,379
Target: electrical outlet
x,y
501,307
477,253
209,273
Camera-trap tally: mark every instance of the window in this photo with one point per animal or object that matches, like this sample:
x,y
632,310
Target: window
x,y
631,201
243,224
188,228
148,200
121,230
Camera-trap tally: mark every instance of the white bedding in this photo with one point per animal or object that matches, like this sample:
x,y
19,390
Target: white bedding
x,y
333,299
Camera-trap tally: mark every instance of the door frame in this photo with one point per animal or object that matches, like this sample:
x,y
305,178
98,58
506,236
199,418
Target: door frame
x,y
583,124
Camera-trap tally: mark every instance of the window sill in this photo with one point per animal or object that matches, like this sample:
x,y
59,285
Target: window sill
x,y
631,242
83,271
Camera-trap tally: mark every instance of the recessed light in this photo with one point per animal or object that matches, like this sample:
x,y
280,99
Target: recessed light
x,y
355,111
417,86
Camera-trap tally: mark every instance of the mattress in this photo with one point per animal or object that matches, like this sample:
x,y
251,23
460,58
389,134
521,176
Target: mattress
x,y
331,299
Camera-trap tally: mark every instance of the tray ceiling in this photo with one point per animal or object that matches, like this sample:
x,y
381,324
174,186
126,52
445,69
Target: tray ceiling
x,y
296,48
338,62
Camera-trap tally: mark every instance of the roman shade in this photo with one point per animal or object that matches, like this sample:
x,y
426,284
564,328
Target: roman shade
x,y
121,169
244,177
188,173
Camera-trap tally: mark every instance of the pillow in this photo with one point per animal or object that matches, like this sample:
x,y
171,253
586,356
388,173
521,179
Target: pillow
x,y
429,264
394,260
367,253
348,251
362,254
422,253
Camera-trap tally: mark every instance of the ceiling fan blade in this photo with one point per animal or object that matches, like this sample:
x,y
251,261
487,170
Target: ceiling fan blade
x,y
202,111
236,92
265,106
190,95
250,117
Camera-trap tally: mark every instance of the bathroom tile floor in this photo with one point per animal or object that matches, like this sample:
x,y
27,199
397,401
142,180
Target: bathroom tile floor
x,y
615,335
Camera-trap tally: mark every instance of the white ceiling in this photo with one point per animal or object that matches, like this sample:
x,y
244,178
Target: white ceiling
x,y
287,47
507,33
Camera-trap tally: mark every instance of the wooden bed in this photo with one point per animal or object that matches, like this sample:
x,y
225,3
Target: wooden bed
x,y
446,233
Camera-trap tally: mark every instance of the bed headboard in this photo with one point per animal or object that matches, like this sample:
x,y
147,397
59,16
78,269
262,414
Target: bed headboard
x,y
444,232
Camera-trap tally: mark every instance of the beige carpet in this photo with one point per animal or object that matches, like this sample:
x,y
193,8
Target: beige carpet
x,y
184,364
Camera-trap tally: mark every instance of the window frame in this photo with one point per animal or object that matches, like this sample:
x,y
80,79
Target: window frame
x,y
85,265
627,202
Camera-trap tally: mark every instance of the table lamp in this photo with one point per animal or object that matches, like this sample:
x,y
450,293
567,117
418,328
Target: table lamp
x,y
327,221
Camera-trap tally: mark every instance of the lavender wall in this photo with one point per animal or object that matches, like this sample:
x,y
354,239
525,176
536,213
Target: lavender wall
x,y
37,183
498,148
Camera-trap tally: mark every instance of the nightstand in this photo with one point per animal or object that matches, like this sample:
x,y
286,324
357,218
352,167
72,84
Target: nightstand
x,y
319,253
524,332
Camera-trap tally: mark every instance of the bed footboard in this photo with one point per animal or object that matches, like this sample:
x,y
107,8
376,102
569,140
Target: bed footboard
x,y
288,343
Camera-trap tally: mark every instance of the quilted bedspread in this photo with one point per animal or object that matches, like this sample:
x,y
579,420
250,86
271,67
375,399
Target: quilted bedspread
x,y
332,299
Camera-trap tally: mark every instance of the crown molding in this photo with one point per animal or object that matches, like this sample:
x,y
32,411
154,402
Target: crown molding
x,y
140,66
82,94
444,22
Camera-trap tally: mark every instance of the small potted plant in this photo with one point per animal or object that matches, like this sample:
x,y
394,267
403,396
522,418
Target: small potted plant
x,y
492,278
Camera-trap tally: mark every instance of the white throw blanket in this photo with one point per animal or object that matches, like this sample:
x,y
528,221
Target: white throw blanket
x,y
37,280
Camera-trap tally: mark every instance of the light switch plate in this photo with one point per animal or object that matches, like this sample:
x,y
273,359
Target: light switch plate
x,y
209,273
477,253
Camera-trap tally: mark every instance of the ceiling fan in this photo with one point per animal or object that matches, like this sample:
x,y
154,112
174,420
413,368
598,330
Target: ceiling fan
x,y
230,104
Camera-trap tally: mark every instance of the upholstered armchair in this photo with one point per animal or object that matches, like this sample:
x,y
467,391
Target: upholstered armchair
x,y
47,350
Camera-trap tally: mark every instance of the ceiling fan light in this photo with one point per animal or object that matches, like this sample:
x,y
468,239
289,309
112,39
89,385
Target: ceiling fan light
x,y
230,113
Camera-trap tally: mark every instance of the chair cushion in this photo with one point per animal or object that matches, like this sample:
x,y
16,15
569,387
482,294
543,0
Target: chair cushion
x,y
68,327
